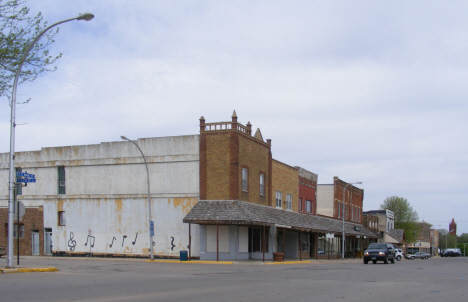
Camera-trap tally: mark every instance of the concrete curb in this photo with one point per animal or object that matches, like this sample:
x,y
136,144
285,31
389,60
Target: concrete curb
x,y
289,262
28,270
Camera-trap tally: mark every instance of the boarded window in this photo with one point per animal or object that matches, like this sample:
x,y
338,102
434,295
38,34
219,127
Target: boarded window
x,y
61,218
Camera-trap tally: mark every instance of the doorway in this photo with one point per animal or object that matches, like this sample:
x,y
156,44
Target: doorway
x,y
48,242
35,243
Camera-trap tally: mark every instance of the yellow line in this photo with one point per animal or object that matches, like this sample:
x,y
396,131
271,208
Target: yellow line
x,y
191,262
29,270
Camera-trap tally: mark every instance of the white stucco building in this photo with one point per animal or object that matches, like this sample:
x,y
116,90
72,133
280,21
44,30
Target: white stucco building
x,y
94,197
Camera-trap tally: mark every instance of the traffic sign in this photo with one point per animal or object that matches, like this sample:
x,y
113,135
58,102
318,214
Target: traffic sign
x,y
152,228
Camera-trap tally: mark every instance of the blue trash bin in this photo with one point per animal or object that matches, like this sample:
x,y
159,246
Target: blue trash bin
x,y
183,256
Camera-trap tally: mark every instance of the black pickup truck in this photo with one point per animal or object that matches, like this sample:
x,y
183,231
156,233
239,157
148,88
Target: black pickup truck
x,y
379,252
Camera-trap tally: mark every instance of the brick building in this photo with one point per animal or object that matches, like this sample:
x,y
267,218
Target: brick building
x,y
31,232
252,206
330,200
423,240
453,228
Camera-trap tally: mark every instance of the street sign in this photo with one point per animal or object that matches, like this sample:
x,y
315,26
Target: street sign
x,y
25,177
152,228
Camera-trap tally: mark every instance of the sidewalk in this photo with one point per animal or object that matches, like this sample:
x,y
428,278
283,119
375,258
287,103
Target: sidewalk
x,y
31,267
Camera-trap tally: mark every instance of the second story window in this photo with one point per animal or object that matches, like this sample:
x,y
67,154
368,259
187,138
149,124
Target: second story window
x,y
279,198
300,204
289,201
262,184
308,206
339,209
245,179
61,179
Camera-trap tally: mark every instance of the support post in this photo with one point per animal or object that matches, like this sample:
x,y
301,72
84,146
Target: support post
x,y
189,242
300,246
217,242
263,244
284,243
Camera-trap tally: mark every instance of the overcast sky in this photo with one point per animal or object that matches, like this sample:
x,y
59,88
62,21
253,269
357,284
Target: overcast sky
x,y
368,91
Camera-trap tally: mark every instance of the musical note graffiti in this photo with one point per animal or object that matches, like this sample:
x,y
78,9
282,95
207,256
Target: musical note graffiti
x,y
135,239
91,240
71,242
172,243
110,245
123,239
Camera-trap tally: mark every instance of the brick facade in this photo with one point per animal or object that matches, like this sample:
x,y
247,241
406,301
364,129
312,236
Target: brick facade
x,y
371,222
225,149
353,200
307,191
285,180
33,220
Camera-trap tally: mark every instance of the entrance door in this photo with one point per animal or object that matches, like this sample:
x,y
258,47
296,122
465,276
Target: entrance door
x,y
35,242
48,242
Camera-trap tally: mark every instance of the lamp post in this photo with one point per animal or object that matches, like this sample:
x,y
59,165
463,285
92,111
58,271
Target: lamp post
x,y
11,184
149,196
343,213
433,242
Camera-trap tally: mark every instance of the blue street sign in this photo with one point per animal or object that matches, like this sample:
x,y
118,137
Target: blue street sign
x,y
152,228
25,177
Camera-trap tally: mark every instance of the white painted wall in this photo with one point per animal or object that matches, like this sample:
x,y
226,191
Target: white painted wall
x,y
325,200
106,191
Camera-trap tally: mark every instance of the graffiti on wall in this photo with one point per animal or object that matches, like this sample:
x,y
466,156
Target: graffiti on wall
x,y
135,239
113,238
71,242
91,240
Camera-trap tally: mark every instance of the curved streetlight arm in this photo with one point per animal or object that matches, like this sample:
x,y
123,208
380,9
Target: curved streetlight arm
x,y
343,213
149,195
11,184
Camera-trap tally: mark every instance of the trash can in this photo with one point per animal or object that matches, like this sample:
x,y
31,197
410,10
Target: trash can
x,y
183,256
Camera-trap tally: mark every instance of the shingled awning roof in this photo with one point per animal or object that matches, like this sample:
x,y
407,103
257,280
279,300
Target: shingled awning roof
x,y
236,212
397,234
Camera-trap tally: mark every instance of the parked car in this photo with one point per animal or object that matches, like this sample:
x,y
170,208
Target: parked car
x,y
2,251
418,255
399,254
380,252
451,253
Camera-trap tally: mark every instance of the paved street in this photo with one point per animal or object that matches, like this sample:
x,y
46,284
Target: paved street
x,y
436,279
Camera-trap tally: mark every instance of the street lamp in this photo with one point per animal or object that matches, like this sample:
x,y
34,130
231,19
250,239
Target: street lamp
x,y
11,184
433,242
149,201
343,213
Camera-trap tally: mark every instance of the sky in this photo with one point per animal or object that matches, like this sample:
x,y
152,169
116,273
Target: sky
x,y
370,91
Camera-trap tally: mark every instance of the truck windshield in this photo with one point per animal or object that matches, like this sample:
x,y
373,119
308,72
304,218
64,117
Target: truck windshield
x,y
379,246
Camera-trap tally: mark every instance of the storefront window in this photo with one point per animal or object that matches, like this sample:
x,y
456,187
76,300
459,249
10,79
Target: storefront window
x,y
330,246
305,242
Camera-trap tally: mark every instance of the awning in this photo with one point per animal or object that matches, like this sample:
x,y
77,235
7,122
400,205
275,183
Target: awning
x,y
236,212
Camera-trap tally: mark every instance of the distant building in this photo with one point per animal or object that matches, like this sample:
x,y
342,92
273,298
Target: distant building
x,y
423,241
453,228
